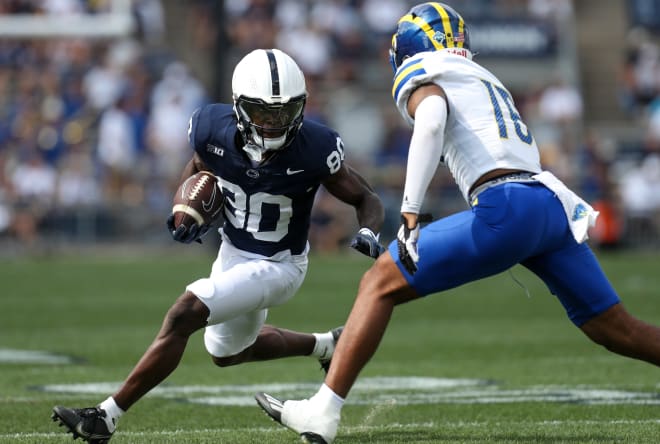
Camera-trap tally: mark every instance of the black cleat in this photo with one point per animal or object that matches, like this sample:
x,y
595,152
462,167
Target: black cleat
x,y
325,363
88,423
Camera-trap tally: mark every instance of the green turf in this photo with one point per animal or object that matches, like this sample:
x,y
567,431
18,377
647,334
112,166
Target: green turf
x,y
105,312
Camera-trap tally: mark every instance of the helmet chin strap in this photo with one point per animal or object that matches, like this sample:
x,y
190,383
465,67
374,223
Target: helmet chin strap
x,y
256,151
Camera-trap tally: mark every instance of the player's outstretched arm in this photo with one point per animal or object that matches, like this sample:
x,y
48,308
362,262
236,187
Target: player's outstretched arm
x,y
350,187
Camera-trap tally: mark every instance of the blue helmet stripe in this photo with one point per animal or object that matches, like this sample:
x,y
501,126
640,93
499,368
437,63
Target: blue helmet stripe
x,y
274,73
447,25
452,24
423,24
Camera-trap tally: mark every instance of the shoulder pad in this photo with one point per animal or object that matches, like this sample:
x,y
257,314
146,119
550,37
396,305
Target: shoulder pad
x,y
199,127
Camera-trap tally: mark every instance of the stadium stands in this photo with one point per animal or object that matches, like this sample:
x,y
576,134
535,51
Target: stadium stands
x,y
105,110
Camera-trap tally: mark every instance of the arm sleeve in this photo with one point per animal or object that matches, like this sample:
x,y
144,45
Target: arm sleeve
x,y
425,151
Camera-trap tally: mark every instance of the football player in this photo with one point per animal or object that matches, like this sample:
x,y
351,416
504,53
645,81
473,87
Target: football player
x,y
465,118
270,162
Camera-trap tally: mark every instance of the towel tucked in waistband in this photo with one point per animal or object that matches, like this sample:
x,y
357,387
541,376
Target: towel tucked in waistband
x,y
579,213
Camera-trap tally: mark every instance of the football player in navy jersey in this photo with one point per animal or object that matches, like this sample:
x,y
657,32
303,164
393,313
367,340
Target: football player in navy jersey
x,y
465,118
270,162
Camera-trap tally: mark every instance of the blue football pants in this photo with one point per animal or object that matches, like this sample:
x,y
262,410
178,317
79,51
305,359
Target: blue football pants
x,y
512,223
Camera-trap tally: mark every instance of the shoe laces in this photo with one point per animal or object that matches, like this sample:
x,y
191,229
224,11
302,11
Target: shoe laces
x,y
91,412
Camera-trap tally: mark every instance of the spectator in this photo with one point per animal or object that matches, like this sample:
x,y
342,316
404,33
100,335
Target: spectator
x,y
33,184
560,103
76,184
116,149
309,46
640,82
640,192
166,138
550,9
178,84
150,20
379,15
245,18
104,82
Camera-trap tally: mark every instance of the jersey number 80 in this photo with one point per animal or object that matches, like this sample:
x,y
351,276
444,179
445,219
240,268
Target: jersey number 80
x,y
245,211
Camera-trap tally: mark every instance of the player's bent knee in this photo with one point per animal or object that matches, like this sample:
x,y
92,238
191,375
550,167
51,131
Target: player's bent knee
x,y
385,280
187,315
228,361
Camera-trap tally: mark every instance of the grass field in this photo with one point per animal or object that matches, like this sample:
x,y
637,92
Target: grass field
x,y
484,363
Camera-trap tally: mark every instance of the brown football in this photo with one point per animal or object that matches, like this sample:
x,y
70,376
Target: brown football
x,y
198,200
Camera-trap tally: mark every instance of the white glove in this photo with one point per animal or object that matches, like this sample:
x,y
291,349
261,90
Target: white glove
x,y
407,243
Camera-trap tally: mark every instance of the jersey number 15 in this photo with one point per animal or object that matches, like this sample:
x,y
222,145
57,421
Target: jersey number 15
x,y
521,129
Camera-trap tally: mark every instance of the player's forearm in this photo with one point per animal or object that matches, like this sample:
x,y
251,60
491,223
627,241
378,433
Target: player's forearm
x,y
193,166
425,151
370,213
188,170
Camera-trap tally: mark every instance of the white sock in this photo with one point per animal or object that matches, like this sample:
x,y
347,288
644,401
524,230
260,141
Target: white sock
x,y
327,399
325,345
113,413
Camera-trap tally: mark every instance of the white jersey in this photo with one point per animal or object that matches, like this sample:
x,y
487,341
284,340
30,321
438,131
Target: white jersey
x,y
484,130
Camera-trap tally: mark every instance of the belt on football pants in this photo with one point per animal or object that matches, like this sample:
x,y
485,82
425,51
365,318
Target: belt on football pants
x,y
523,177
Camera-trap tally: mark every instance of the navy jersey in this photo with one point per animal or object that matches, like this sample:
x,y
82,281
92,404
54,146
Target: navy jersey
x,y
268,206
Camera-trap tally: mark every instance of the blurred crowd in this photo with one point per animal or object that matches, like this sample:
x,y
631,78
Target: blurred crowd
x,y
93,131
639,171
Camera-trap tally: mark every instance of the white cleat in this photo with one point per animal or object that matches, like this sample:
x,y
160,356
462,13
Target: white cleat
x,y
302,417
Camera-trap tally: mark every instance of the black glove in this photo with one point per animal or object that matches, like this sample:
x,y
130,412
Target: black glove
x,y
406,240
186,236
366,242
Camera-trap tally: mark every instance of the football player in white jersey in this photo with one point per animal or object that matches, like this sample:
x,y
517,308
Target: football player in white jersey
x,y
465,118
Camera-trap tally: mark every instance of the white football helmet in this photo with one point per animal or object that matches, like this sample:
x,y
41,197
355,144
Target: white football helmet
x,y
269,95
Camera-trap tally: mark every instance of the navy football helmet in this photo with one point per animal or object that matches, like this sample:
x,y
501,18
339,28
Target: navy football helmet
x,y
269,95
429,27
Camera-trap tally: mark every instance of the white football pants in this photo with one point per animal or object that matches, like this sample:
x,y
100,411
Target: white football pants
x,y
239,291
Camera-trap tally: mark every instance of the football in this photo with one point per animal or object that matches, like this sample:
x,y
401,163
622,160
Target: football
x,y
198,200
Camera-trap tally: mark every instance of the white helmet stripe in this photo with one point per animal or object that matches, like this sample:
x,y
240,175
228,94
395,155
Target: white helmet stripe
x,y
274,73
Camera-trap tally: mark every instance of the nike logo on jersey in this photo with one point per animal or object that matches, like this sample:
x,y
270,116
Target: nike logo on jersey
x,y
290,172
